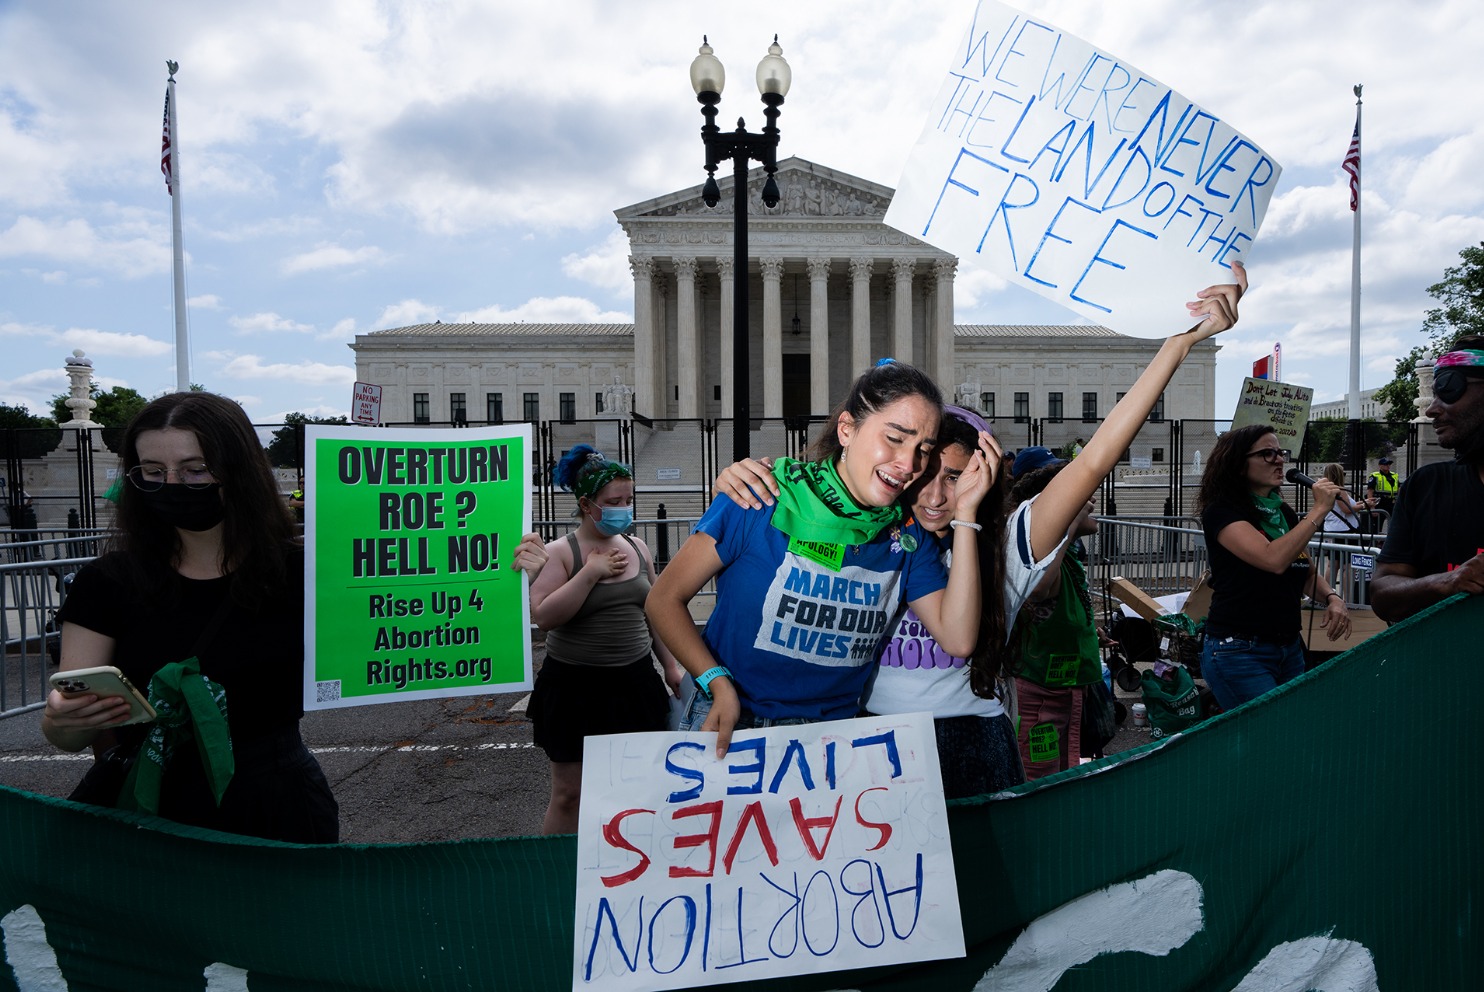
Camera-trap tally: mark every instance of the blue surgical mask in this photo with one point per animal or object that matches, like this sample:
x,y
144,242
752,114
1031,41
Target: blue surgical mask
x,y
615,520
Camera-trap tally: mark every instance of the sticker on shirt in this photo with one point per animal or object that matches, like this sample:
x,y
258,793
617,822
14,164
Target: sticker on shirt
x,y
831,556
1061,669
827,618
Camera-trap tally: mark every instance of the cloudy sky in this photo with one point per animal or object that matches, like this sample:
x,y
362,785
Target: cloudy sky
x,y
350,166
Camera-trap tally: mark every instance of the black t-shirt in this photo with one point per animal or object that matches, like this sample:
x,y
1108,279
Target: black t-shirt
x,y
1439,519
156,616
1247,601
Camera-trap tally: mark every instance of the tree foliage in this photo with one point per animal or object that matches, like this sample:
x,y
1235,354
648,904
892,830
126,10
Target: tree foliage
x,y
25,435
286,450
115,408
1460,294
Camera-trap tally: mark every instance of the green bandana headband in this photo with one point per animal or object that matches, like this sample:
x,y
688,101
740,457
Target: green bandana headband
x,y
593,481
189,705
814,505
1270,515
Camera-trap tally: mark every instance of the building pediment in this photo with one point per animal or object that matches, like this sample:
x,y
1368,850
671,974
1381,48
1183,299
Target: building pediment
x,y
807,190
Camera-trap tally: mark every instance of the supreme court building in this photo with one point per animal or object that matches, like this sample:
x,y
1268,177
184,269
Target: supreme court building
x,y
832,289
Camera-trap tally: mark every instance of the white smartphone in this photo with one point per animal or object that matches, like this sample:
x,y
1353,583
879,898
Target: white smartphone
x,y
105,681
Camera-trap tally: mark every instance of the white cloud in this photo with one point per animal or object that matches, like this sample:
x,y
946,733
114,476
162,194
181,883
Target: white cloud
x,y
206,301
605,265
124,249
305,373
260,323
332,257
406,314
547,310
113,343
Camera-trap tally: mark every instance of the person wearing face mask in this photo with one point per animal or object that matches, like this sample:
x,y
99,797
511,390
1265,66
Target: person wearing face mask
x,y
599,675
203,581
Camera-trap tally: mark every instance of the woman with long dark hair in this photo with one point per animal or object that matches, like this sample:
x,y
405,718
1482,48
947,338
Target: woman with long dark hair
x,y
204,581
1260,567
807,588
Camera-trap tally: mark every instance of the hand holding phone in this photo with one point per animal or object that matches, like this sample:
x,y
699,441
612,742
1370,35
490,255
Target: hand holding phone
x,y
104,681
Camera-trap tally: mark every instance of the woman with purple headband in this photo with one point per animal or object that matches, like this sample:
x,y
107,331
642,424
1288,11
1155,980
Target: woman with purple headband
x,y
599,675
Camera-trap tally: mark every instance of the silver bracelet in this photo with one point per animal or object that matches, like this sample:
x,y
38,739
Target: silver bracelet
x,y
965,523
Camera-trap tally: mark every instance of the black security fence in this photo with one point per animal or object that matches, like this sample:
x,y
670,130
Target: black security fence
x,y
57,479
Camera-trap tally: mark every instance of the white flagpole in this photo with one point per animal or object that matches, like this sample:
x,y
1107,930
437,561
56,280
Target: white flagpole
x,y
182,335
1355,287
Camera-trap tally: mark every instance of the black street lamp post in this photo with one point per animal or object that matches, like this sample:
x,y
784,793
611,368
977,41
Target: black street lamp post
x,y
741,146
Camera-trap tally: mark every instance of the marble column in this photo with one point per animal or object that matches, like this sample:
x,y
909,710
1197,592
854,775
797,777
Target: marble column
x,y
942,367
725,346
860,315
820,400
901,338
644,336
687,354
662,390
772,336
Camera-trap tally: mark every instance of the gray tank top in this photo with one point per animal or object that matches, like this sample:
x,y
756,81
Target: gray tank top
x,y
609,628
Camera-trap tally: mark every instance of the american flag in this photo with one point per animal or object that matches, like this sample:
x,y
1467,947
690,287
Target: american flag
x,y
1352,166
165,150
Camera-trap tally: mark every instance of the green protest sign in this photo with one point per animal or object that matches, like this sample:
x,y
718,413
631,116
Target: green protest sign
x,y
409,536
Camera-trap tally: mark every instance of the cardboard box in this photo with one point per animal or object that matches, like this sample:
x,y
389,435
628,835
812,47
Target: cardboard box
x,y
1198,604
1135,598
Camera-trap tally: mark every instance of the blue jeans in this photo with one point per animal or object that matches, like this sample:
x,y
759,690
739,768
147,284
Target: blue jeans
x,y
1238,669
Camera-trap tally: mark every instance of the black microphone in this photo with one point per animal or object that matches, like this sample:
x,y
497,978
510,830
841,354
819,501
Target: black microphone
x,y
1299,479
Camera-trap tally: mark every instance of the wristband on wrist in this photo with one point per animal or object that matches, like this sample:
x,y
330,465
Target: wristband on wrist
x,y
966,523
1336,595
703,681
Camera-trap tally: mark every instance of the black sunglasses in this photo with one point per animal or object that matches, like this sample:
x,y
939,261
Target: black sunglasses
x,y
1449,384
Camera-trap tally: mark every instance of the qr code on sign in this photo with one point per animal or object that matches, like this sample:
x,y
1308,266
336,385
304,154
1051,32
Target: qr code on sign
x,y
326,692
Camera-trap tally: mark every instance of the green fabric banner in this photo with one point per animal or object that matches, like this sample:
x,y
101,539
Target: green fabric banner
x,y
1323,837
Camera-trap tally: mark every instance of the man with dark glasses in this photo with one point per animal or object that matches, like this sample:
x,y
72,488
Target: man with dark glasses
x,y
1435,545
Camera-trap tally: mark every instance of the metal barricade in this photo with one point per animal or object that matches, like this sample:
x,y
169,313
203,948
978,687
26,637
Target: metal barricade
x,y
30,593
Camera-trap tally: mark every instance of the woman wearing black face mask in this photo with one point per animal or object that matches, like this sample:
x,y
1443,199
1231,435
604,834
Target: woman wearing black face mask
x,y
203,587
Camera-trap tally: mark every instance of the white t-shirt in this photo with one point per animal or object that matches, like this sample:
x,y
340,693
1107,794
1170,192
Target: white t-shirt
x,y
914,675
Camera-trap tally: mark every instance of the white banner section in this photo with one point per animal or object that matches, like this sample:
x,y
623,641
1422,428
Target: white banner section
x,y
806,849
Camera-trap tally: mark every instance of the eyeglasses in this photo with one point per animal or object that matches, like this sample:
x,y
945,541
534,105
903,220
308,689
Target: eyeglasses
x,y
149,478
1271,455
1449,384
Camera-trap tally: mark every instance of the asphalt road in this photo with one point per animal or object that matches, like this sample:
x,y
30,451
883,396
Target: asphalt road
x,y
402,772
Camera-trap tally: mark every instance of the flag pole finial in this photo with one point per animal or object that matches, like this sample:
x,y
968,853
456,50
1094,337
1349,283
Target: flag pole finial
x,y
174,67
1357,91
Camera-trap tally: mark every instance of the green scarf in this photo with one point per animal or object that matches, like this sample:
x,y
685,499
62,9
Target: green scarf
x,y
188,705
1271,520
814,505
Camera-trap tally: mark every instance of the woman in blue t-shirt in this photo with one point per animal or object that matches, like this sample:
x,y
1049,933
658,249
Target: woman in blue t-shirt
x,y
807,588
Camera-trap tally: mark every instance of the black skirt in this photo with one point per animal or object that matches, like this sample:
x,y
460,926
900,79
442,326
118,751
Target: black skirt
x,y
572,701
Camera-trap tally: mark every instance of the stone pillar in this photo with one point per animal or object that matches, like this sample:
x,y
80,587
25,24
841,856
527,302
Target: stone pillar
x,y
728,300
80,392
662,391
860,315
644,336
942,367
820,401
772,337
687,355
901,339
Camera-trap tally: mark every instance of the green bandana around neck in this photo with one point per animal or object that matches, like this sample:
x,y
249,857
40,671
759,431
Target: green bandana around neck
x,y
1271,520
814,505
188,706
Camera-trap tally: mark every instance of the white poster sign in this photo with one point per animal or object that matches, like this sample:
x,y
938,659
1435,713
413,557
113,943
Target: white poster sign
x,y
806,849
1068,171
